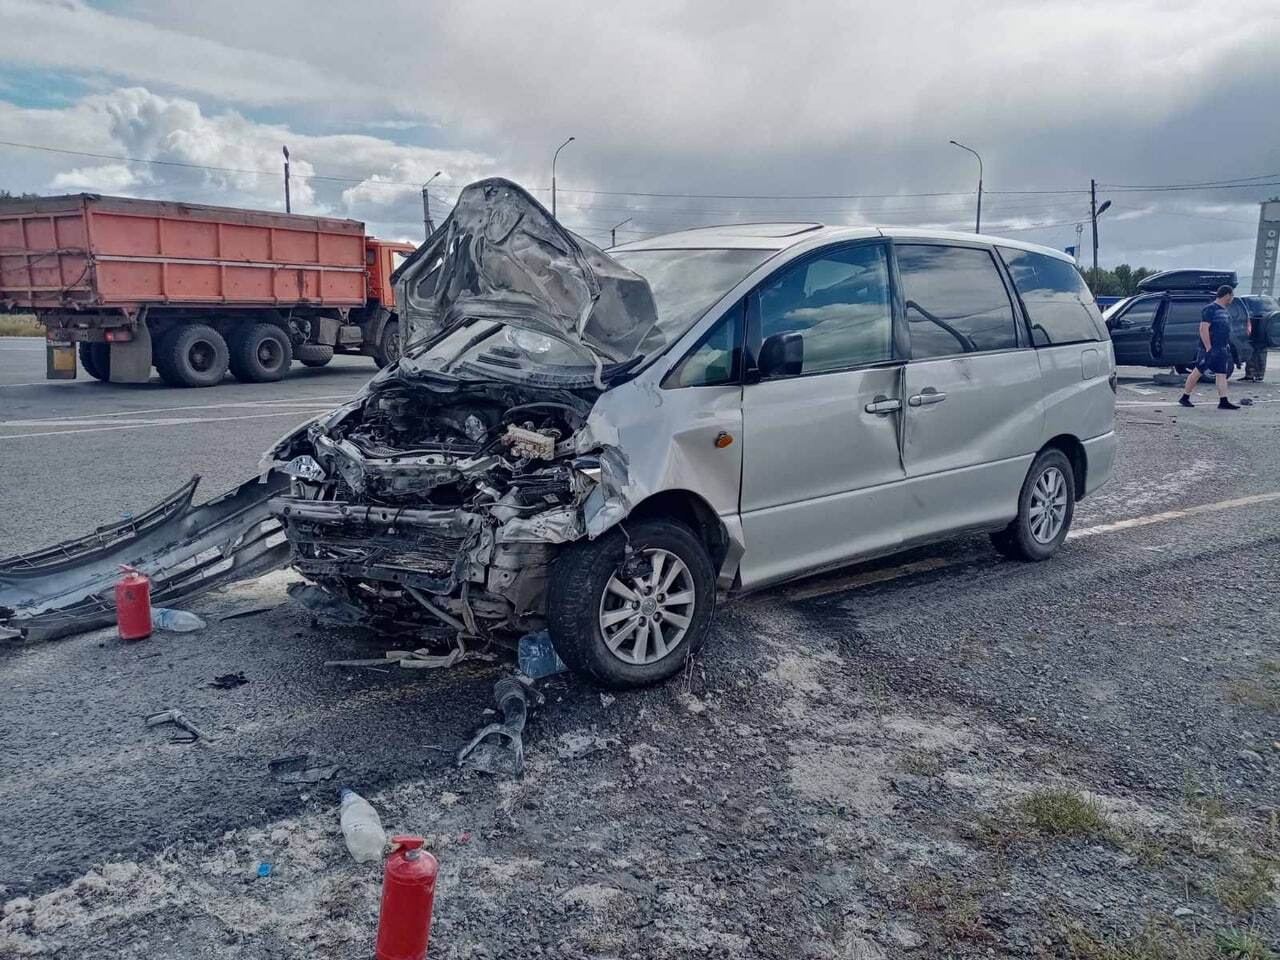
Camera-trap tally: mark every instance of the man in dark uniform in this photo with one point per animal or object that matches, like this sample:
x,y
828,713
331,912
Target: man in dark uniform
x,y
1215,349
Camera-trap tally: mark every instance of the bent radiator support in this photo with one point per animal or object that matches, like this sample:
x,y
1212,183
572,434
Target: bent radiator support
x,y
185,550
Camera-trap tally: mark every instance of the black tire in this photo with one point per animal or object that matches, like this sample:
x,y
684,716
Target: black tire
x,y
191,355
1182,368
387,351
260,353
96,360
579,577
1019,541
317,356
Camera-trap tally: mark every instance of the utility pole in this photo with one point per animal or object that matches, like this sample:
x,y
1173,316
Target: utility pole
x,y
288,207
977,226
1096,210
427,226
613,231
1093,217
554,157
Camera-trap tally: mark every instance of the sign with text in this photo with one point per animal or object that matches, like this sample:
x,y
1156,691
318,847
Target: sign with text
x,y
1264,262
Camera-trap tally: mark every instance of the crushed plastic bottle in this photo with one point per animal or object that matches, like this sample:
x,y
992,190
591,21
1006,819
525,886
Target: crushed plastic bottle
x,y
177,621
361,827
538,657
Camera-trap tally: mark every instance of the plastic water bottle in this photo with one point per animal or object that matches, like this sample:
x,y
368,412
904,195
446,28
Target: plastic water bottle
x,y
537,656
178,621
361,827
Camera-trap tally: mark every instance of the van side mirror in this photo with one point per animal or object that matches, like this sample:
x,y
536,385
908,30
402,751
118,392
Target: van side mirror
x,y
781,355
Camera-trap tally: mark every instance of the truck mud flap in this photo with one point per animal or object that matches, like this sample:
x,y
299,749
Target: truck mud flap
x,y
69,587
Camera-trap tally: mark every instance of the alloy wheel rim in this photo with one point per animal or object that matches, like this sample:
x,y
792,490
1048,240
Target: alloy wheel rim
x,y
1048,510
644,618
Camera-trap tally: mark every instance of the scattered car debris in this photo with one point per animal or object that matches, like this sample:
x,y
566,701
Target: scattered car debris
x,y
303,768
175,621
184,550
179,719
420,659
248,611
578,744
537,656
228,681
499,747
264,869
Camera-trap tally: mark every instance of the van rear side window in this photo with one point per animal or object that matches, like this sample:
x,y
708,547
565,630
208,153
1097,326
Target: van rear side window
x,y
1057,299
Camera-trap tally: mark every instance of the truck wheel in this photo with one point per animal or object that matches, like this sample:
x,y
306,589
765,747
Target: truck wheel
x,y
96,360
632,619
387,351
316,356
1045,508
260,353
192,355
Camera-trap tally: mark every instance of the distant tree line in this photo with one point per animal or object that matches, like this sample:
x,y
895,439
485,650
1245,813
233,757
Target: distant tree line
x,y
1120,282
25,196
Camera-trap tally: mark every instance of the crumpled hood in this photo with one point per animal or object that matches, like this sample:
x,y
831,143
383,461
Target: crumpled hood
x,y
501,256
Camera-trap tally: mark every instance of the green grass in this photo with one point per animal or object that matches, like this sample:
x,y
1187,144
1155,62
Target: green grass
x,y
1164,940
1065,813
1244,887
1242,945
19,325
1262,691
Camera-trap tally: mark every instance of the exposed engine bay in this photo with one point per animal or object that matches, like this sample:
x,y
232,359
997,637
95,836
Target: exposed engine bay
x,y
440,502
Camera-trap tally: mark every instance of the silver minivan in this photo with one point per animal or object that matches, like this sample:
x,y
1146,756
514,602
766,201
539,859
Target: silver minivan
x,y
603,444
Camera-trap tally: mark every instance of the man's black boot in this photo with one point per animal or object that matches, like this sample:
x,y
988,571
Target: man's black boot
x,y
1225,404
1185,400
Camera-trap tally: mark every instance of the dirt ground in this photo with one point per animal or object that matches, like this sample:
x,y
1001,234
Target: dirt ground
x,y
945,754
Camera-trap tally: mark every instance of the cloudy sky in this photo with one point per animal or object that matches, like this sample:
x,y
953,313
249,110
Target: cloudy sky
x,y
685,112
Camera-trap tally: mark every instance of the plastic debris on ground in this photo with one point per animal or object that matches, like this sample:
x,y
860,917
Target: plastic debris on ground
x,y
538,657
228,681
361,827
175,621
264,869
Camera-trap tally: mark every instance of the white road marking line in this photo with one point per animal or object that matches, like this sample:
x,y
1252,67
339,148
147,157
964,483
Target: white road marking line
x,y
33,383
152,424
1207,403
1173,515
273,402
940,563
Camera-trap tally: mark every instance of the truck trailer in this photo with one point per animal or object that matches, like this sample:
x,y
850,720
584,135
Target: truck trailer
x,y
194,290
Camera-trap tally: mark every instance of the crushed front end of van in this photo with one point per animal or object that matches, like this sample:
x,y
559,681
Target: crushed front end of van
x,y
443,491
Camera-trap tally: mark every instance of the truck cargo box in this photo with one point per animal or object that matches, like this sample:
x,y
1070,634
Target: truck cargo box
x,y
92,252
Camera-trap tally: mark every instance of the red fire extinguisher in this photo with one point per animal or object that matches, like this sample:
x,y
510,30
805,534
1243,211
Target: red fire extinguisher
x,y
133,605
408,891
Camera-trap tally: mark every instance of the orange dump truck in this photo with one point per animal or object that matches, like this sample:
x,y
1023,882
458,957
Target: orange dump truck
x,y
194,290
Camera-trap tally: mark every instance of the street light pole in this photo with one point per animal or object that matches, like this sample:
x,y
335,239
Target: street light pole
x,y
288,207
613,231
426,207
1095,211
554,157
977,227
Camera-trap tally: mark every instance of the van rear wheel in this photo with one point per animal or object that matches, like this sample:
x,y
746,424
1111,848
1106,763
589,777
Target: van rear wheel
x,y
629,609
1046,505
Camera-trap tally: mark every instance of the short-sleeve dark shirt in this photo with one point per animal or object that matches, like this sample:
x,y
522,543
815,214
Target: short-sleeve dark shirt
x,y
1219,321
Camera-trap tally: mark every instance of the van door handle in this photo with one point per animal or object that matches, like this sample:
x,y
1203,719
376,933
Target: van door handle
x,y
925,397
883,404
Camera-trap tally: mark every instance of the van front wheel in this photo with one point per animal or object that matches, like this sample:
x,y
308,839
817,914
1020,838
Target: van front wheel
x,y
1046,505
628,609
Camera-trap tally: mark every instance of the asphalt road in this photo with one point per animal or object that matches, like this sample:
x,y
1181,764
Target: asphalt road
x,y
78,453
1103,651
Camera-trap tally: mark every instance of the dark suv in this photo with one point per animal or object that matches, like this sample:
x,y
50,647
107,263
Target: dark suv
x,y
1160,327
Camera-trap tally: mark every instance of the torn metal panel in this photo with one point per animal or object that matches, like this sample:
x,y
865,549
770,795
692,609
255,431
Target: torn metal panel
x,y
500,255
184,549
